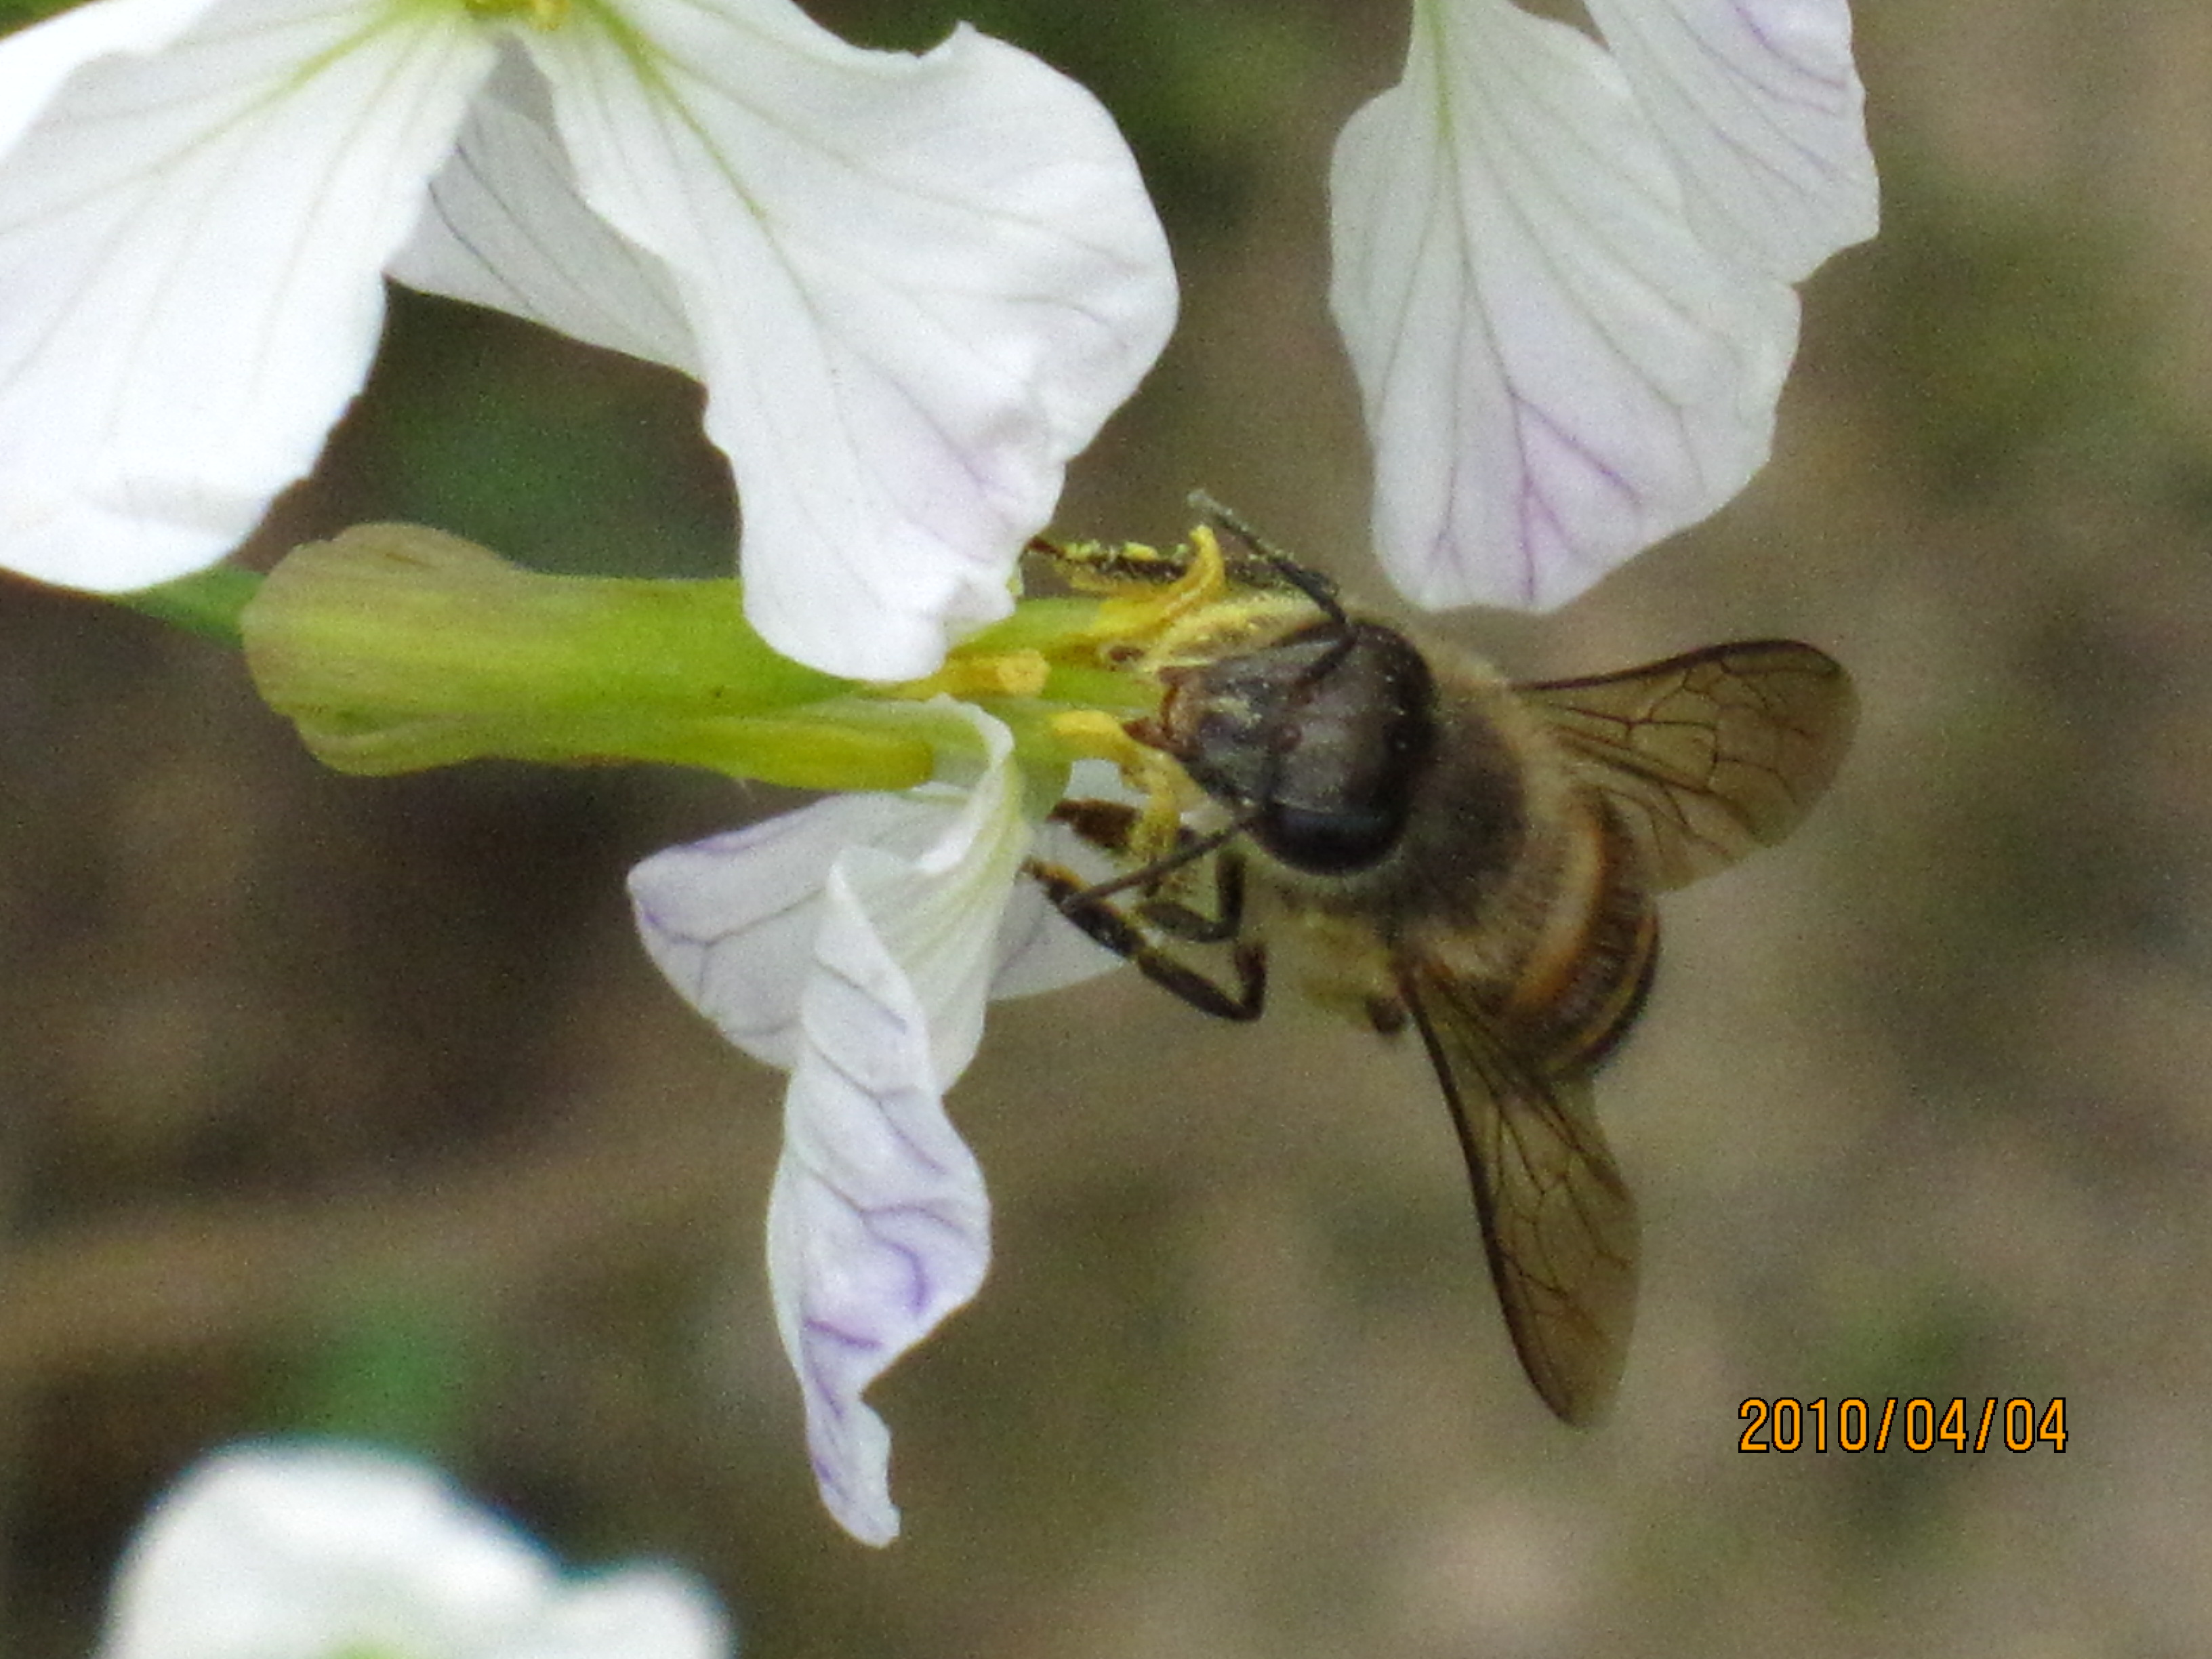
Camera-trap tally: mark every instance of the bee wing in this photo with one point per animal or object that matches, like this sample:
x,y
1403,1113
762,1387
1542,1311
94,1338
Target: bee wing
x,y
1557,1222
1710,754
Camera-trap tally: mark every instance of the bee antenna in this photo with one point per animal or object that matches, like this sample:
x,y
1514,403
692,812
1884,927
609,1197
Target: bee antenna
x,y
1311,583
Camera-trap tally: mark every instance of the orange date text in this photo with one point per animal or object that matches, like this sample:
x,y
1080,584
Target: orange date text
x,y
1785,1424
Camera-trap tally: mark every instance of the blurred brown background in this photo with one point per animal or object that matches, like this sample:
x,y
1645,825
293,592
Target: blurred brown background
x,y
345,1104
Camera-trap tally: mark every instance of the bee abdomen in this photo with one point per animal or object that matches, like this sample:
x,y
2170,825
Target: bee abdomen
x,y
1580,984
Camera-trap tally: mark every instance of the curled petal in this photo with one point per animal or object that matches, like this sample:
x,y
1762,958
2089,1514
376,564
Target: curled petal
x,y
919,285
327,1548
856,942
191,244
1557,370
1759,107
731,920
935,917
878,1223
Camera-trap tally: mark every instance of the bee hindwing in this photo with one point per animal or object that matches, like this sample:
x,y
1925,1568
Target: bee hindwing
x,y
1557,1222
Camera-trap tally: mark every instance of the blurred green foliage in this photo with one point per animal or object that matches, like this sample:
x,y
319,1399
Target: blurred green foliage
x,y
1190,86
397,1366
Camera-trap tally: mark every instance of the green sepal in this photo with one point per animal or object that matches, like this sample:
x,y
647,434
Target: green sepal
x,y
394,648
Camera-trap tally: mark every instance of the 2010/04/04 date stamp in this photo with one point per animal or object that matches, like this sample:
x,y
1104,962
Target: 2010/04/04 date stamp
x,y
1787,1425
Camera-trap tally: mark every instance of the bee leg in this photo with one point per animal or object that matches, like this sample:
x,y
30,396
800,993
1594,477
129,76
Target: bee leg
x,y
1124,932
1111,826
1193,925
1280,569
1112,564
1386,1015
1128,930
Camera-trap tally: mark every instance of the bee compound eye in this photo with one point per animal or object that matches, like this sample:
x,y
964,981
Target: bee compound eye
x,y
1328,842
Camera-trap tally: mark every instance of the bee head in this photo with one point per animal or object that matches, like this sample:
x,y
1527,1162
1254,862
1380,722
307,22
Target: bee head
x,y
1316,743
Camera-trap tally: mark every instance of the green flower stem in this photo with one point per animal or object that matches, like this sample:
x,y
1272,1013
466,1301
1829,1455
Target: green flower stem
x,y
209,604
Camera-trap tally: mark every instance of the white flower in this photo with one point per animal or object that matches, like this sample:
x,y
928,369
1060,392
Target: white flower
x,y
854,943
915,286
1564,280
1563,275
319,1551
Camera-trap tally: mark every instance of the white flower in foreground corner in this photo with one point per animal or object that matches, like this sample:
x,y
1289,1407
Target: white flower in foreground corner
x,y
915,286
319,1551
854,943
1564,274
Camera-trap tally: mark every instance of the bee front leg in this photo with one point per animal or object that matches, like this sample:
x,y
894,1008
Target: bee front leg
x,y
1112,827
1140,931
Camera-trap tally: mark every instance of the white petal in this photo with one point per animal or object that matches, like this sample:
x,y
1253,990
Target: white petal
x,y
306,1550
191,247
938,914
639,1612
854,941
313,1550
877,1224
1763,113
1556,371
504,227
731,920
919,286
36,61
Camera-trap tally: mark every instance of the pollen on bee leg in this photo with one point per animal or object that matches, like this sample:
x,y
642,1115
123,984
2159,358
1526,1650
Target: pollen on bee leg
x,y
1155,612
1111,567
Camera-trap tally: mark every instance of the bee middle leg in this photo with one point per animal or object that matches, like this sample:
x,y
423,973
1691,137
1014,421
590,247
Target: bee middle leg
x,y
1142,930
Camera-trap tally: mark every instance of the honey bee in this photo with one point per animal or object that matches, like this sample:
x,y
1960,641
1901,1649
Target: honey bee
x,y
1476,859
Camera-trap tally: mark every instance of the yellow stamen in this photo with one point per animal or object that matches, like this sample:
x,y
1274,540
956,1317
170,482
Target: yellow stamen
x,y
999,674
1153,615
1096,735
1167,791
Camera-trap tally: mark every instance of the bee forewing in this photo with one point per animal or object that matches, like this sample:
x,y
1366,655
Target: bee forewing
x,y
1710,754
1557,1222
